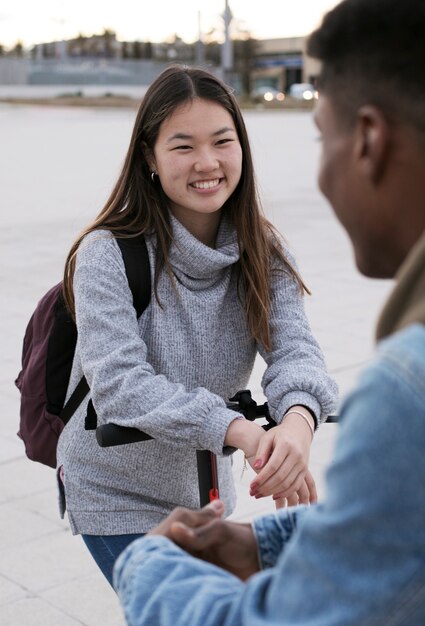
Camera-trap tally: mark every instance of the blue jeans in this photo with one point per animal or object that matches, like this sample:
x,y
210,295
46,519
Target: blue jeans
x,y
105,549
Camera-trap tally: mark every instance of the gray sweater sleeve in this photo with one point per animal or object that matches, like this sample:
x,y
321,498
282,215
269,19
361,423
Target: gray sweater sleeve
x,y
124,387
296,370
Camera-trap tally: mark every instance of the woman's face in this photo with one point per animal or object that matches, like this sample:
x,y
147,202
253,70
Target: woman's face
x,y
198,158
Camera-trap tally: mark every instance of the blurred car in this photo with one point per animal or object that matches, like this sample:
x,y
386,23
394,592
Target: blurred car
x,y
303,91
267,94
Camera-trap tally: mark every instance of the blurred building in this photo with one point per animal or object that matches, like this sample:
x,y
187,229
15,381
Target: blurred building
x,y
102,59
279,63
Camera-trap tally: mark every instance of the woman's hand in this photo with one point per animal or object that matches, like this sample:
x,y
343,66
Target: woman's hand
x,y
281,461
306,494
244,435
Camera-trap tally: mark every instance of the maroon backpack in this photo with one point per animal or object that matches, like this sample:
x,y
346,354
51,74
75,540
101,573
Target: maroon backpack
x,y
48,353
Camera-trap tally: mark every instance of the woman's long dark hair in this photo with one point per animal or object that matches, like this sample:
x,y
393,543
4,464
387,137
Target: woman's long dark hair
x,y
137,205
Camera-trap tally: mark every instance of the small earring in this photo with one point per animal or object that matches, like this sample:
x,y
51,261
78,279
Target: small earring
x,y
153,174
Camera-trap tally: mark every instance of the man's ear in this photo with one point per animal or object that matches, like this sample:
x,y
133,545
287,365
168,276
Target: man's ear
x,y
372,142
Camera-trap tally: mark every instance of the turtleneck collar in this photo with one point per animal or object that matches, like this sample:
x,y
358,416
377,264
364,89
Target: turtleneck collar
x,y
406,304
196,263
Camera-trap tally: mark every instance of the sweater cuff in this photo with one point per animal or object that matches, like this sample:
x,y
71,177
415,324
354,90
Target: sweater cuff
x,y
215,431
301,398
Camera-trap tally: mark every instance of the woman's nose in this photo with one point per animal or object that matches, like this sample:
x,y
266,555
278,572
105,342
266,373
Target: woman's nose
x,y
206,161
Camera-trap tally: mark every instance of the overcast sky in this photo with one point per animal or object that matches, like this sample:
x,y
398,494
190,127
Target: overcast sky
x,y
34,21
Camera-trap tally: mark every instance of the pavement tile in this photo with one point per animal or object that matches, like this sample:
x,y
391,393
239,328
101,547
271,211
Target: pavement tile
x,y
10,592
47,561
45,504
97,605
35,612
18,525
21,477
10,448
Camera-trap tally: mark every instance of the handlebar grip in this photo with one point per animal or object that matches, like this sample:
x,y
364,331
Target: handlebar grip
x,y
109,435
332,419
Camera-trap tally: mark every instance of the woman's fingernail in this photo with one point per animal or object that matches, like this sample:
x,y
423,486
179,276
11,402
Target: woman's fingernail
x,y
258,463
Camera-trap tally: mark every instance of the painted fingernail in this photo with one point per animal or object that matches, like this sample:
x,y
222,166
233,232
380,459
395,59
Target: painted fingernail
x,y
258,463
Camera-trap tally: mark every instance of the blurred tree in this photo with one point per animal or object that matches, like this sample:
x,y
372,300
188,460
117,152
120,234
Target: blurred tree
x,y
17,50
148,50
137,50
212,47
109,38
125,50
245,49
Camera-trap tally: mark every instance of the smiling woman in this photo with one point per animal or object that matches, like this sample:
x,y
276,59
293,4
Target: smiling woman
x,y
224,289
198,159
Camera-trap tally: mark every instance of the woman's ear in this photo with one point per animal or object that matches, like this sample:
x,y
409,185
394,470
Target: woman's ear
x,y
372,142
149,156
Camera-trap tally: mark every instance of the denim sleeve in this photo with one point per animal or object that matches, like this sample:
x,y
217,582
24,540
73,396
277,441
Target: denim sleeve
x,y
355,560
273,532
158,583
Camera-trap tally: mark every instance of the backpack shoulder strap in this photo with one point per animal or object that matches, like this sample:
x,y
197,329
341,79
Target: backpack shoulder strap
x,y
74,401
137,268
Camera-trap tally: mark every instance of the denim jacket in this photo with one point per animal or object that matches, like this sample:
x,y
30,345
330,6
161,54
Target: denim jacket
x,y
357,559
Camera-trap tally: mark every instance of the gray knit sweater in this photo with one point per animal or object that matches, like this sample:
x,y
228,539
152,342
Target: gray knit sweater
x,y
169,374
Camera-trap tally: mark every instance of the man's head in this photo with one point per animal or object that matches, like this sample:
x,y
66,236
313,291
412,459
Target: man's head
x,y
371,115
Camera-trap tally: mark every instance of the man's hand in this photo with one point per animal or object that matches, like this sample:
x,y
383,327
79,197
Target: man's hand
x,y
190,518
206,536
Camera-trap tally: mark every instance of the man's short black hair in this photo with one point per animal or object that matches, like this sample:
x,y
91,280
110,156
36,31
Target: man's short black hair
x,y
373,52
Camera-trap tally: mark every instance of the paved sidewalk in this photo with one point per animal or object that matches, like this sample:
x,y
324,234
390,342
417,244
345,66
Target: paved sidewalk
x,y
56,169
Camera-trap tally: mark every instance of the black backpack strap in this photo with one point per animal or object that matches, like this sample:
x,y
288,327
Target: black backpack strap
x,y
136,262
137,268
90,422
74,401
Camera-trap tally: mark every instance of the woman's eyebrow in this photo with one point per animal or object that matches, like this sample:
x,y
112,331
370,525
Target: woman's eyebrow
x,y
179,136
186,136
223,130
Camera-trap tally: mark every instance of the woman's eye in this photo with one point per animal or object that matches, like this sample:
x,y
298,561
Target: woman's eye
x,y
223,141
182,148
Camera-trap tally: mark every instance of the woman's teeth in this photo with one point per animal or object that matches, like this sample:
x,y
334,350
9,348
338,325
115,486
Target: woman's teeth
x,y
206,184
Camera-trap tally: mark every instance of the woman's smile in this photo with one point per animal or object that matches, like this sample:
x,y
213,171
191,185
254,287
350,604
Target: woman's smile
x,y
206,185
